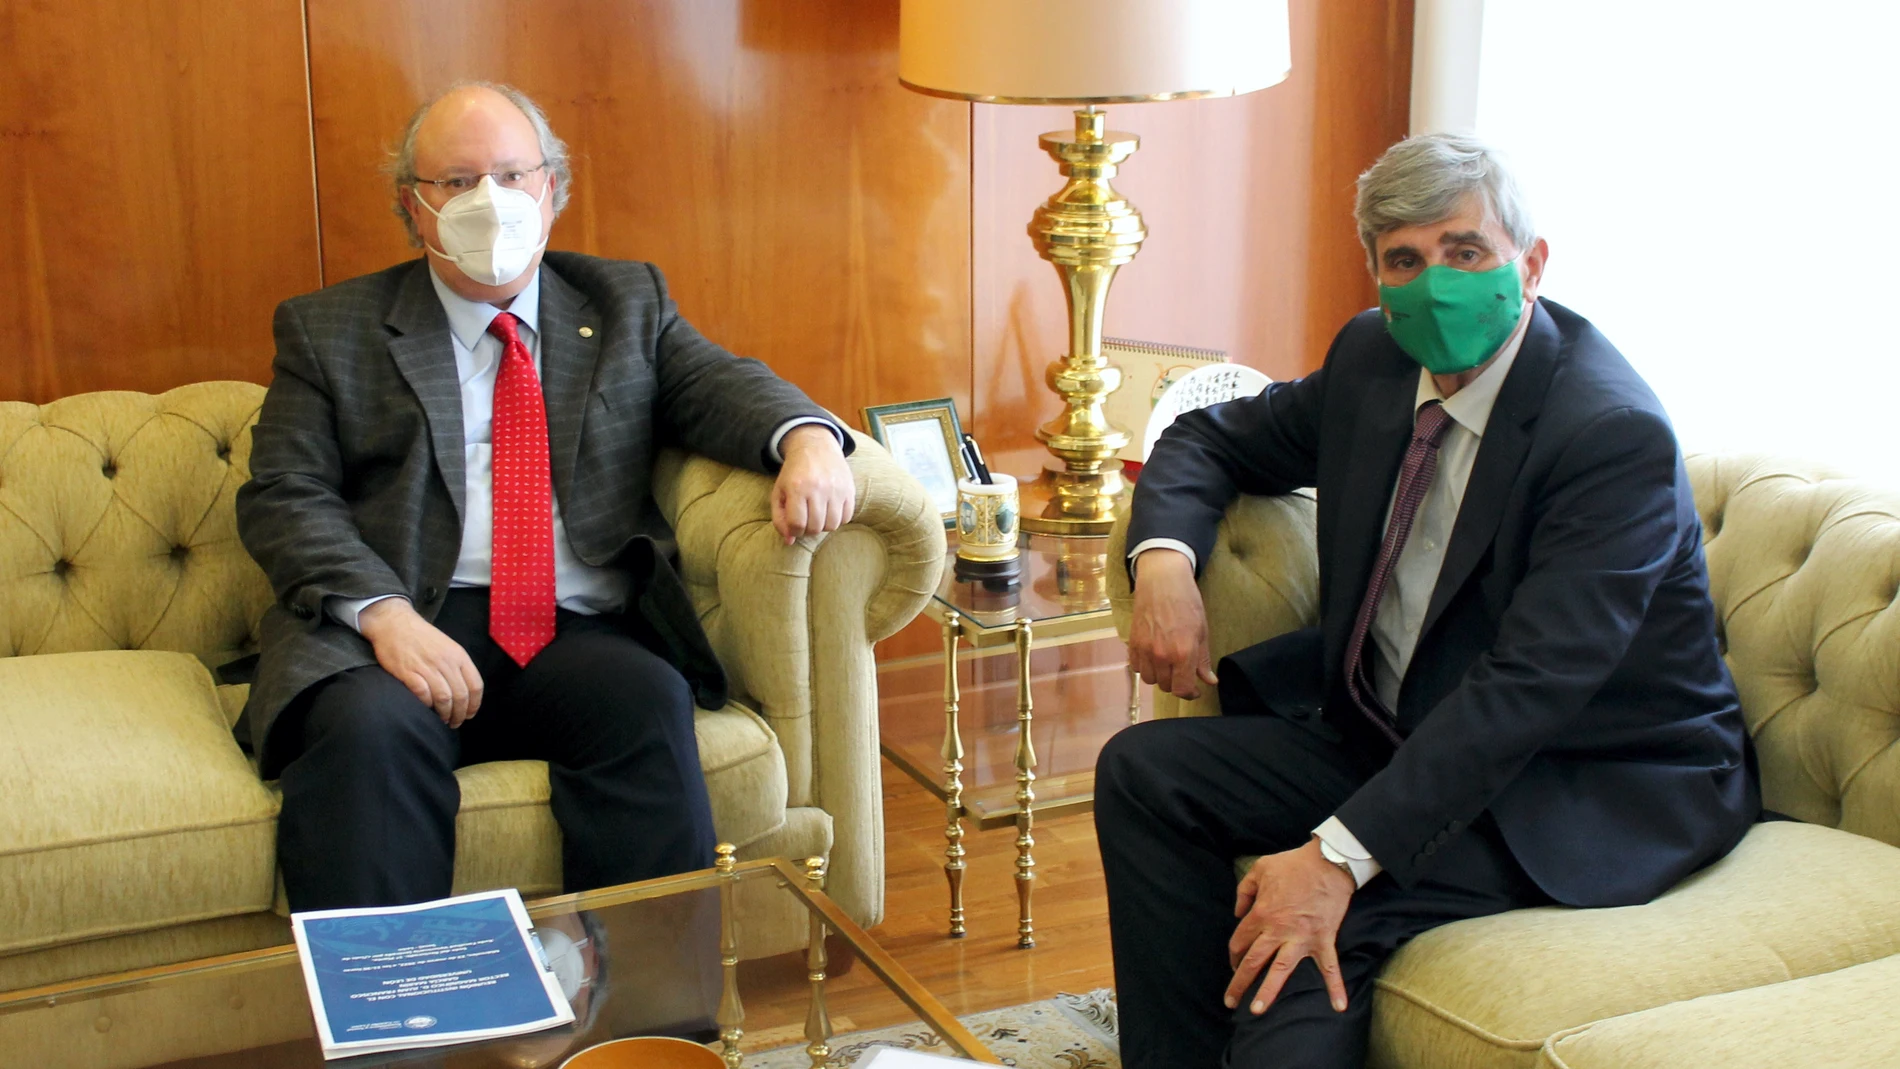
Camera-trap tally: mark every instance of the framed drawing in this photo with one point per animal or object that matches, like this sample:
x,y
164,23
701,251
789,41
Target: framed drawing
x,y
1148,369
924,436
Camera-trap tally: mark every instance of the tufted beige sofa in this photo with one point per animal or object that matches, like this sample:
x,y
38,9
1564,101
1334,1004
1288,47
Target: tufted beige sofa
x,y
1784,954
137,833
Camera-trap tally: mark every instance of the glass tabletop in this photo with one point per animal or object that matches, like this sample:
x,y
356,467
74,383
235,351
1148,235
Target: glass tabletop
x,y
642,959
1083,695
1062,580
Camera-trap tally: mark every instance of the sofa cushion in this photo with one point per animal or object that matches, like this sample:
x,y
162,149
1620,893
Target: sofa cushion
x,y
745,773
1792,900
1837,1020
505,835
129,805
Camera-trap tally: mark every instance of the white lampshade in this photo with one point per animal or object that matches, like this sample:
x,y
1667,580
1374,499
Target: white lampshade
x,y
1092,51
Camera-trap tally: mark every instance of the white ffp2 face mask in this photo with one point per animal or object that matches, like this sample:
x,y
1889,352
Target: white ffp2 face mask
x,y
491,232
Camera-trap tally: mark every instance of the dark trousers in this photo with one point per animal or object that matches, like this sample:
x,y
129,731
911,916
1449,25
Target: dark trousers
x,y
1176,802
370,794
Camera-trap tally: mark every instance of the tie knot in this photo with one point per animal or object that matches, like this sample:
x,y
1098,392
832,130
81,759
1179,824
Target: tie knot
x,y
1430,424
503,327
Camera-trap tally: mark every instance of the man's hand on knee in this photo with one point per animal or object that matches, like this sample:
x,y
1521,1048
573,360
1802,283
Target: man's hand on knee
x,y
1290,905
1167,639
434,667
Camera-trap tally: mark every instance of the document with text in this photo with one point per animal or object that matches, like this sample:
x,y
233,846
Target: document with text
x,y
426,975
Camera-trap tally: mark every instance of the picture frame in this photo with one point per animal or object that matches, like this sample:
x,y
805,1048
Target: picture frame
x,y
925,438
1148,369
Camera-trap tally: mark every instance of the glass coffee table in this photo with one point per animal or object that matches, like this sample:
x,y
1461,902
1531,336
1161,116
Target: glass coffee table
x,y
662,957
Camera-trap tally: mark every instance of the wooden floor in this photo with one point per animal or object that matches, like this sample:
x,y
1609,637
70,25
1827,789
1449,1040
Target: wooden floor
x,y
1081,694
982,971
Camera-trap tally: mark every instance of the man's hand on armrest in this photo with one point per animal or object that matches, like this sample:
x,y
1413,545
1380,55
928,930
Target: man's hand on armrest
x,y
815,492
434,667
1167,640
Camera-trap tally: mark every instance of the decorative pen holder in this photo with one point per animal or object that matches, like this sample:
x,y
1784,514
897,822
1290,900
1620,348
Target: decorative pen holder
x,y
987,515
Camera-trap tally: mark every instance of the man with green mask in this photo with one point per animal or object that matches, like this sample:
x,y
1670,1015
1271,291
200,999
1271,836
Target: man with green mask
x,y
1514,694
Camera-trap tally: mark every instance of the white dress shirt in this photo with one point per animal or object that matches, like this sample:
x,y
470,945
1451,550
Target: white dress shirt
x,y
1401,612
578,586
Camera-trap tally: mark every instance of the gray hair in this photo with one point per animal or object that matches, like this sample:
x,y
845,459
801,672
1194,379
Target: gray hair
x,y
402,162
1427,178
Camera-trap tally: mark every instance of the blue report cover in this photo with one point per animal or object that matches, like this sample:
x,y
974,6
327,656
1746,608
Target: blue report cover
x,y
425,975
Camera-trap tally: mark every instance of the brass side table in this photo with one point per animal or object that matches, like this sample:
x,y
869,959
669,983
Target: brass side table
x,y
1060,598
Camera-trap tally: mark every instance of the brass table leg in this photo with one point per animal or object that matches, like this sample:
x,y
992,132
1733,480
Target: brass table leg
x,y
952,776
731,1012
1025,793
818,1019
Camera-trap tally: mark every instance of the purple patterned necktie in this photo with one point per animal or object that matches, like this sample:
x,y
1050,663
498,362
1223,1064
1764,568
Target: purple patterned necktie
x,y
1415,478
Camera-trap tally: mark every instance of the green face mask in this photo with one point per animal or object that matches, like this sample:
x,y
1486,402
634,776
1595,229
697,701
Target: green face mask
x,y
1450,321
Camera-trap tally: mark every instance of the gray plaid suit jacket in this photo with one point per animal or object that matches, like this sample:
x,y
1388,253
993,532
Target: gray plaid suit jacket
x,y
357,458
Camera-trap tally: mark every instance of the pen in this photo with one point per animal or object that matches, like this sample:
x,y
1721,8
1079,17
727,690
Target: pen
x,y
975,455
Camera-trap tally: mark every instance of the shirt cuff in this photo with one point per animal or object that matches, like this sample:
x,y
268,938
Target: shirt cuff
x,y
1338,844
345,611
1162,543
789,425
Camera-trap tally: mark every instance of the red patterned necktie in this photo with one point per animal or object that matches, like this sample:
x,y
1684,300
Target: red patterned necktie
x,y
1415,478
521,585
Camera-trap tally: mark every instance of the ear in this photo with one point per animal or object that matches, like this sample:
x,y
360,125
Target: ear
x,y
1535,258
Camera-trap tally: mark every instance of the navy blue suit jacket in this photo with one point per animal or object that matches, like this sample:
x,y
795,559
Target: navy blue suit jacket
x,y
1567,677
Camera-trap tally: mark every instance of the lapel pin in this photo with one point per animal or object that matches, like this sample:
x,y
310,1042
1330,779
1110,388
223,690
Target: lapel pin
x,y
587,332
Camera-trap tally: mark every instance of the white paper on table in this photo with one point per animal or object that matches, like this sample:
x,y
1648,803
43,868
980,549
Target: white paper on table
x,y
899,1058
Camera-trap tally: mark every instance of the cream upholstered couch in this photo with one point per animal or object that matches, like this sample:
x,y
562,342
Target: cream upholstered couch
x,y
136,833
1786,953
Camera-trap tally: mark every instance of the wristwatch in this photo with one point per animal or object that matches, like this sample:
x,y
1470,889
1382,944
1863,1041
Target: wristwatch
x,y
1338,859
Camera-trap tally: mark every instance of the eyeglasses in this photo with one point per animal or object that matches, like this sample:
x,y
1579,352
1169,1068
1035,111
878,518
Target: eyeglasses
x,y
514,179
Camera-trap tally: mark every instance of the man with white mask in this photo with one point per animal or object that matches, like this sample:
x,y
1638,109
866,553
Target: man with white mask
x,y
450,494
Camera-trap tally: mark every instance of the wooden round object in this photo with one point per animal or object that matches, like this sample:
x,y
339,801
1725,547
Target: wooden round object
x,y
646,1052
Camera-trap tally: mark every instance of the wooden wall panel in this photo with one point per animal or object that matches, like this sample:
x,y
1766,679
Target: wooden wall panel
x,y
159,198
867,241
806,208
1248,202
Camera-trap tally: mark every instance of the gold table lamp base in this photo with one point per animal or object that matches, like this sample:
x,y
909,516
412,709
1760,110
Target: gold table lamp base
x,y
1059,502
1086,231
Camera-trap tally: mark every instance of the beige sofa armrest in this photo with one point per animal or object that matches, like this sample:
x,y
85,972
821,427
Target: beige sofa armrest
x,y
1262,581
794,627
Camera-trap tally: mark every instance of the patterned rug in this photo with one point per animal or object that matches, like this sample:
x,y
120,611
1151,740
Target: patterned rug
x,y
1065,1032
